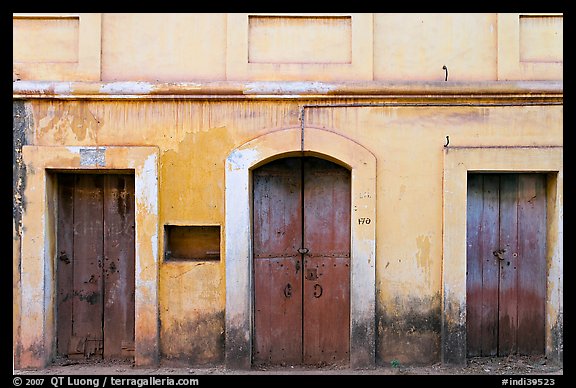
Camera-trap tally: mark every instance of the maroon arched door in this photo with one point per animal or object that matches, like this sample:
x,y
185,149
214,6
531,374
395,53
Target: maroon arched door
x,y
301,262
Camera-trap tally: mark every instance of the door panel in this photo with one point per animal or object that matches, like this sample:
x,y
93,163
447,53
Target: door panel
x,y
488,243
119,266
326,209
88,286
277,211
327,311
278,318
531,263
506,264
327,238
64,262
302,299
508,307
482,265
474,266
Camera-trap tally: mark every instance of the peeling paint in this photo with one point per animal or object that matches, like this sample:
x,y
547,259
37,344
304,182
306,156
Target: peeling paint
x,y
240,159
289,88
22,122
63,88
93,156
127,88
148,177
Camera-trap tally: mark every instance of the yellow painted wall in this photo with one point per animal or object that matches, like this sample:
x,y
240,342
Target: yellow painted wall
x,y
167,47
175,47
194,140
465,43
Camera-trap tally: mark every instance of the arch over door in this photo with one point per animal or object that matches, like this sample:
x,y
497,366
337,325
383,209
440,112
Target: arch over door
x,y
301,262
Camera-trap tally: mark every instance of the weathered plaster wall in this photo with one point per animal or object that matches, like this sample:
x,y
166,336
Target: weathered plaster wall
x,y
195,137
408,143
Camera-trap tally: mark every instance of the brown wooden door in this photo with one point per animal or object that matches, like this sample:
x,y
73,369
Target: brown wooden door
x,y
301,262
95,266
506,264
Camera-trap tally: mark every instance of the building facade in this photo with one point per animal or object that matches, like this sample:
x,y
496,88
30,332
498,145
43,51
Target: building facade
x,y
234,189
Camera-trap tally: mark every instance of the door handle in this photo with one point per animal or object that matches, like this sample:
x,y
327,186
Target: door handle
x,y
498,253
311,274
303,251
288,290
317,290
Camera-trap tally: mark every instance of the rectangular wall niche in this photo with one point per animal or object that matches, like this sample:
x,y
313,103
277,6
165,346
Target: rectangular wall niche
x,y
191,243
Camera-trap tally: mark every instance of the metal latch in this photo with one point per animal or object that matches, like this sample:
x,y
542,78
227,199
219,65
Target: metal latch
x,y
312,273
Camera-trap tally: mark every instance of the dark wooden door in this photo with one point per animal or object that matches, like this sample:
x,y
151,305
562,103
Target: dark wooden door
x,y
95,266
506,264
327,262
301,262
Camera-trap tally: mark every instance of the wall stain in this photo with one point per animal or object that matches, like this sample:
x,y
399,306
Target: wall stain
x,y
21,128
195,341
409,331
454,334
423,254
557,334
22,124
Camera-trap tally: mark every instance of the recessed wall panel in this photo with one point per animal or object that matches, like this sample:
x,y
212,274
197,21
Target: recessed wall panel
x,y
541,38
299,39
45,39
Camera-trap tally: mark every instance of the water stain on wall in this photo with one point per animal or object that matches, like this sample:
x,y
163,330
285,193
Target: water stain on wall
x,y
409,330
197,340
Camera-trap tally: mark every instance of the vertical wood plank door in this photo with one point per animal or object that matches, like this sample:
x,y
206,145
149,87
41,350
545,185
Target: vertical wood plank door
x,y
506,264
301,262
277,193
327,262
118,268
95,266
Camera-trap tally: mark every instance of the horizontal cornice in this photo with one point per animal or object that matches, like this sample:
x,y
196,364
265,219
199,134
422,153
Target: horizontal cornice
x,y
449,91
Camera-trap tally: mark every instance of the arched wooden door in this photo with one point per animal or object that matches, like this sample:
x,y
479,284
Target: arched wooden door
x,y
301,262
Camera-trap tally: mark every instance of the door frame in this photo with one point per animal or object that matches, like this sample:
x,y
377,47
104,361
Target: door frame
x,y
458,161
37,272
238,235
